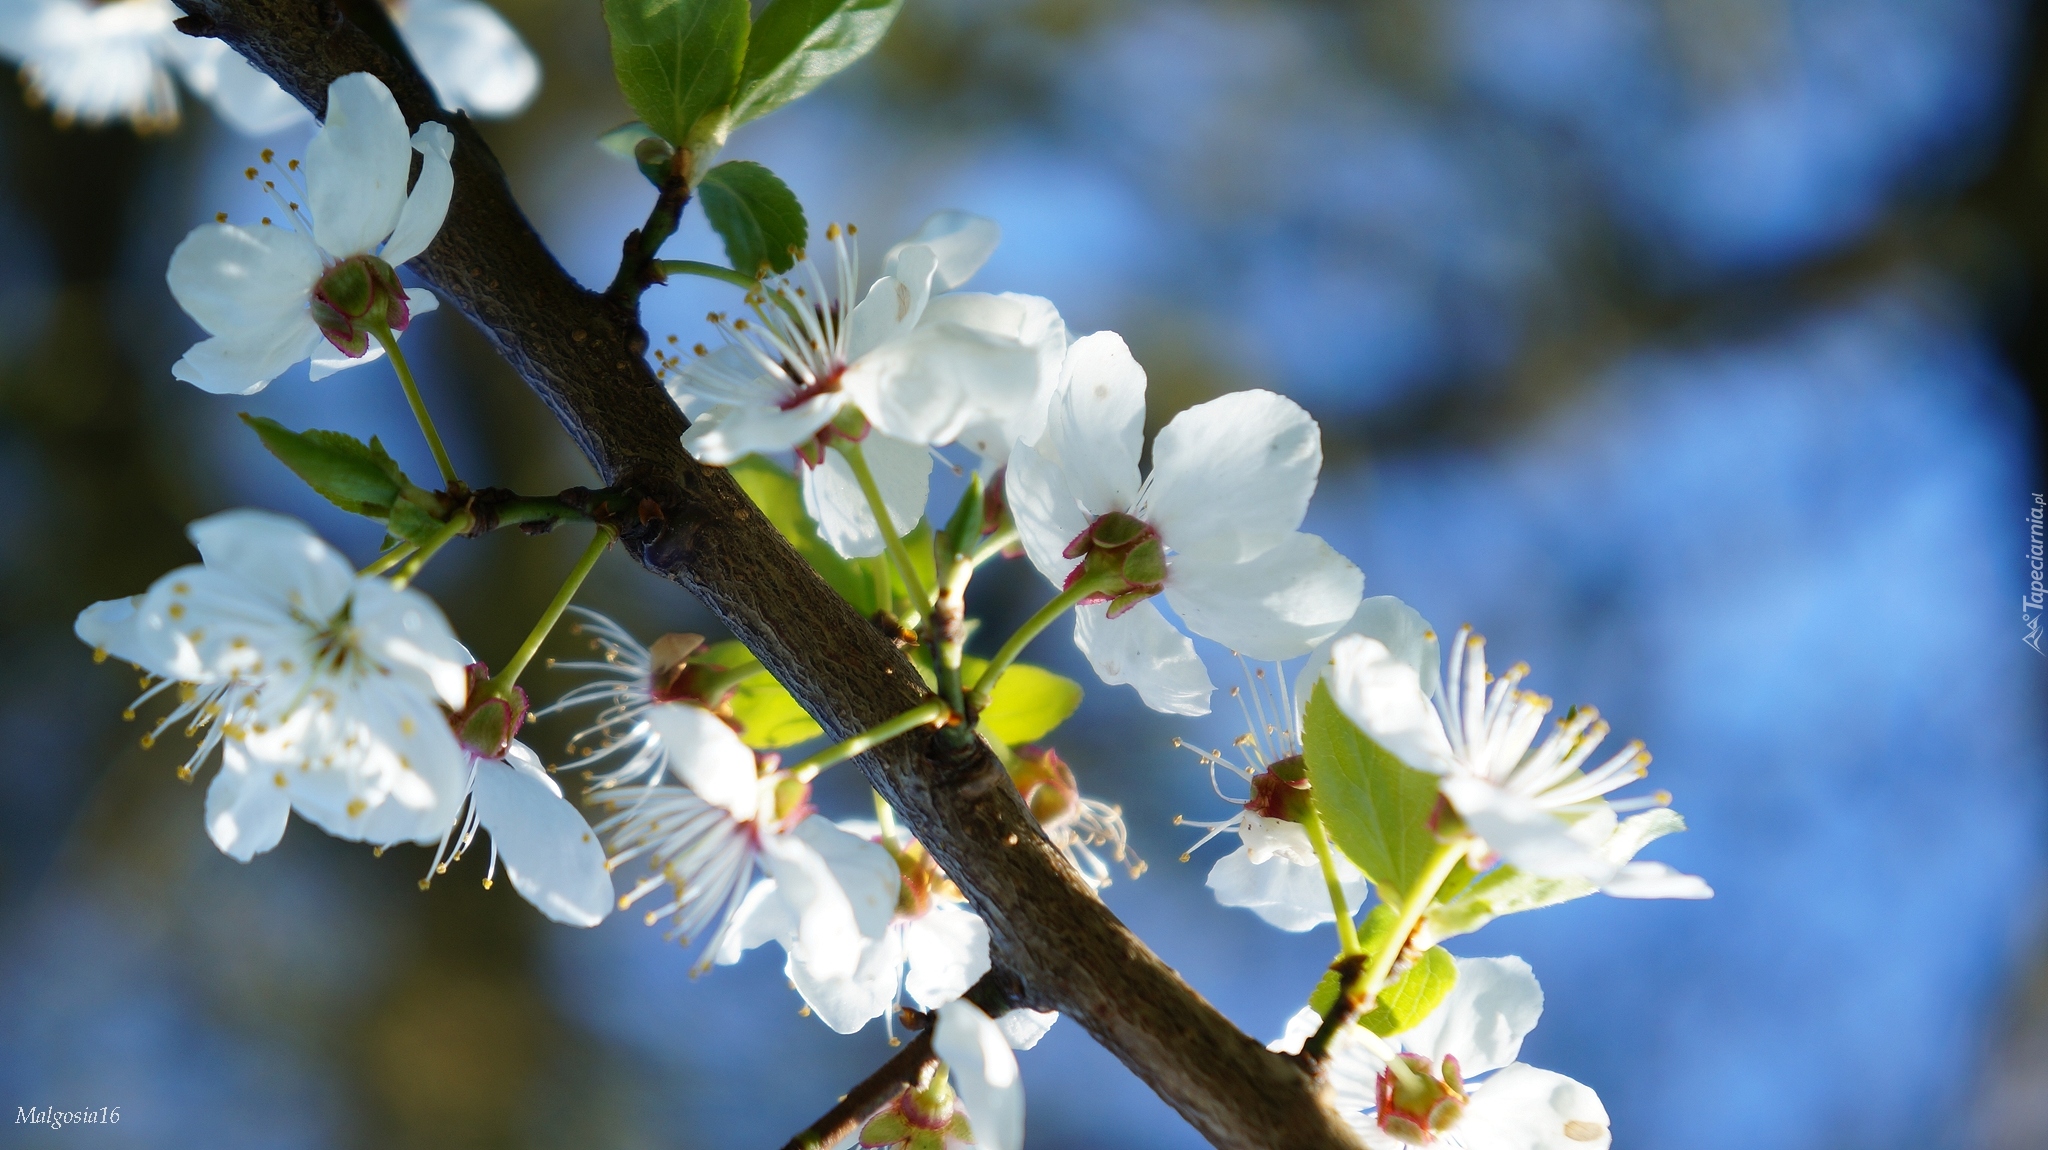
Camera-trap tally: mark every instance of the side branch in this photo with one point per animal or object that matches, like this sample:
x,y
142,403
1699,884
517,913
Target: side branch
x,y
874,1092
582,353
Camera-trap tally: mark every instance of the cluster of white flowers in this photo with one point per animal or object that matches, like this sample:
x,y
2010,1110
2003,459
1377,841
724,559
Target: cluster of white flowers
x,y
345,696
98,62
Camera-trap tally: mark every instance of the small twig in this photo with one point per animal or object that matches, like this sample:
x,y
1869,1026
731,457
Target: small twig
x,y
637,266
495,507
1349,1005
874,1092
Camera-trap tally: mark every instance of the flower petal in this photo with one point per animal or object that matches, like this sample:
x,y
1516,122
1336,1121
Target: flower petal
x,y
892,306
827,937
1523,833
1530,1109
1398,627
277,558
1232,477
247,805
1142,649
1095,425
471,55
847,1004
1002,416
1047,515
862,868
832,496
236,280
427,204
1484,1018
357,166
727,434
947,950
1654,880
960,243
245,364
761,917
1022,1027
405,632
928,385
1383,695
111,626
1286,894
984,1074
1277,605
248,100
708,757
550,853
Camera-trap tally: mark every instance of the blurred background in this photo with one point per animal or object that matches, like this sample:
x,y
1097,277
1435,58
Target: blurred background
x,y
1692,350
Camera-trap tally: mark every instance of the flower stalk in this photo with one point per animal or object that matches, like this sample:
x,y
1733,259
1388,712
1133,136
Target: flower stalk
x,y
930,711
1347,930
1014,646
898,553
389,342
501,683
456,525
391,558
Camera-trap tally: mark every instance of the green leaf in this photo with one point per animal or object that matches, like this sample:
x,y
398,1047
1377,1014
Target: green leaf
x,y
756,214
677,60
624,139
1409,998
778,495
1028,701
797,45
354,476
1376,807
770,717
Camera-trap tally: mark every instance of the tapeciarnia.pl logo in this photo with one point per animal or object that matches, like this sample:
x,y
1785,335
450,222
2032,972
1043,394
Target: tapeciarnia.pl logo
x,y
2036,598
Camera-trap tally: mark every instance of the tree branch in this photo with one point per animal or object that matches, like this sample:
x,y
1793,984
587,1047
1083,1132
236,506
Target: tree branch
x,y
583,354
874,1092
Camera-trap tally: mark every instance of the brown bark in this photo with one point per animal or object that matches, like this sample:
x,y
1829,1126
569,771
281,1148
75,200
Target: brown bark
x,y
583,354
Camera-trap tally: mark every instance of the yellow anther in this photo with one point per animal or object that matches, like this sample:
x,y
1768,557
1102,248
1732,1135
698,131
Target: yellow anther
x,y
268,155
220,217
249,173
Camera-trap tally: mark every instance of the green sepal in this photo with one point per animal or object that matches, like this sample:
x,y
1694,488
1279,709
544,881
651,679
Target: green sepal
x,y
1376,807
756,215
678,61
779,496
963,529
797,45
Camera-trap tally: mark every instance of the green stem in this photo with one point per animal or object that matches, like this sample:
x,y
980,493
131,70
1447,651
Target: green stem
x,y
501,683
1414,904
897,551
439,539
708,271
389,559
994,545
419,405
715,686
924,713
1016,643
1347,931
885,817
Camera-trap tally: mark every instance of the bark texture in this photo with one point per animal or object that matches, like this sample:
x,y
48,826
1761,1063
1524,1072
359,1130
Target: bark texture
x,y
582,352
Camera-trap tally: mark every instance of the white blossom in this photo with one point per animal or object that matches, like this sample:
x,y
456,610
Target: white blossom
x,y
272,296
912,364
551,855
95,63
704,840
1542,809
324,689
1468,1046
932,949
1229,486
984,1074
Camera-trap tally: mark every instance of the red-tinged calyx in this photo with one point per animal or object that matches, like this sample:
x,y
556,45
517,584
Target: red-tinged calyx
x,y
1122,557
487,725
1413,1104
925,1117
849,426
1281,791
356,297
1047,784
